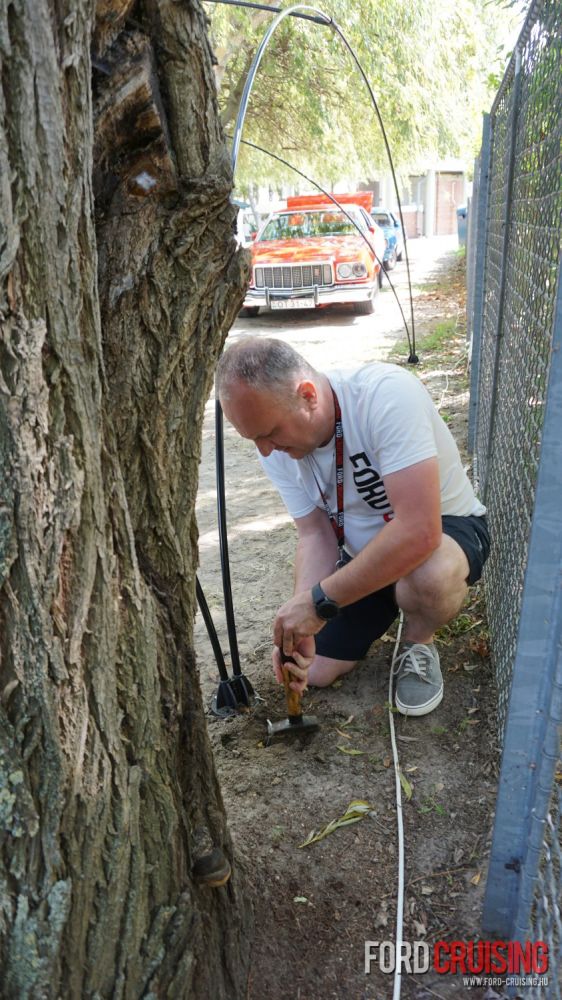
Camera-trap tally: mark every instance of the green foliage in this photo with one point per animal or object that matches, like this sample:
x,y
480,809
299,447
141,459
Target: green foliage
x,y
433,68
437,339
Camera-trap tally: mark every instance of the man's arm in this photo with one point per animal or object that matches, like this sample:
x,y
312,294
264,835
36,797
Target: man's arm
x,y
315,557
402,545
317,549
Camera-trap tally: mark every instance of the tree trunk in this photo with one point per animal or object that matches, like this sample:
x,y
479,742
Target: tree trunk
x,y
112,321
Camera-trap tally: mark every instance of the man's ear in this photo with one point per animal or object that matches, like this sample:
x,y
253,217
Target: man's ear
x,y
308,391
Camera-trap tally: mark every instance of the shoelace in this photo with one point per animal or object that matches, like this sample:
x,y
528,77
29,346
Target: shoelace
x,y
416,659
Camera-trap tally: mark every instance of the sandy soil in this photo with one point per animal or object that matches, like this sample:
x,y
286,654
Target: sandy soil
x,y
316,906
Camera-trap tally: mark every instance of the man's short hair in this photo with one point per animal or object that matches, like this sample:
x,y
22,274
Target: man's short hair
x,y
263,363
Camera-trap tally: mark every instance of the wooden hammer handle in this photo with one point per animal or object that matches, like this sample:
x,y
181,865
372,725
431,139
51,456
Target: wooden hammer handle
x,y
293,697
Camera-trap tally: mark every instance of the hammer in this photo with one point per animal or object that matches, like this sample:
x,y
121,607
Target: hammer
x,y
296,724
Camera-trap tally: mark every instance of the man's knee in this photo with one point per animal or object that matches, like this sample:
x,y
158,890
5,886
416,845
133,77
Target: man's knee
x,y
446,569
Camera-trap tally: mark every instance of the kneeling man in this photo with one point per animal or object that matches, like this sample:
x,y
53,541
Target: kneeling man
x,y
385,514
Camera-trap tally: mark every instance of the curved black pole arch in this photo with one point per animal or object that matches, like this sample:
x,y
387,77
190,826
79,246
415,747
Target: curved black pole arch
x,y
241,687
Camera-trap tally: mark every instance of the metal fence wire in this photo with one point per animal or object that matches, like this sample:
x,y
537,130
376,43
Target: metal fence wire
x,y
515,431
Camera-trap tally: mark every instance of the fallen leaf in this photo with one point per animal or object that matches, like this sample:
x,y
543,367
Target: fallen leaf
x,y
300,899
409,739
347,721
351,752
410,770
406,786
475,879
471,711
356,810
340,732
426,890
387,761
439,786
480,646
469,667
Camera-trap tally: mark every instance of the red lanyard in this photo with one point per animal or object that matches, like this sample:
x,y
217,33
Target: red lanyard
x,y
337,521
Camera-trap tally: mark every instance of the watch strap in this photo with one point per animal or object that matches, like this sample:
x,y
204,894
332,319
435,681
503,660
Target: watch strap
x,y
318,594
325,606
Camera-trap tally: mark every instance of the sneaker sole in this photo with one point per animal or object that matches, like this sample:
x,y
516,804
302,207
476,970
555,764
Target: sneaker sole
x,y
424,709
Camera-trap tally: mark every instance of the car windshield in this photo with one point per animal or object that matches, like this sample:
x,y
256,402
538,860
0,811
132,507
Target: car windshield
x,y
298,225
382,219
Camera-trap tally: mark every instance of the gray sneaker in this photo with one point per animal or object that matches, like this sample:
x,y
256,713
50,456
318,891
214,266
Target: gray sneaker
x,y
419,684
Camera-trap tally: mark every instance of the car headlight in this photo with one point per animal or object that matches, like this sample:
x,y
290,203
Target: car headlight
x,y
344,270
349,270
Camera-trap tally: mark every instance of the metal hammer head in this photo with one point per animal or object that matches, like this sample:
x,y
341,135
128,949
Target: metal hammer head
x,y
293,725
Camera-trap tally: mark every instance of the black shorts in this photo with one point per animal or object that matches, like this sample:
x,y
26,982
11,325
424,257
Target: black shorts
x,y
349,636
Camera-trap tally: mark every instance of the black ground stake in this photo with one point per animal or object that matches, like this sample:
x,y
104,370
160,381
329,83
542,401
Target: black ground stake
x,y
232,692
236,691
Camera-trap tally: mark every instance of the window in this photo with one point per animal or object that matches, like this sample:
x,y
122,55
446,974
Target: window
x,y
325,222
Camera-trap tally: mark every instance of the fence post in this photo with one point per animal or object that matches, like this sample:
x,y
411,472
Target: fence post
x,y
504,258
471,245
528,762
479,237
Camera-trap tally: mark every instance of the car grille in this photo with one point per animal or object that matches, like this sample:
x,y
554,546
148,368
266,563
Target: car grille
x,y
293,276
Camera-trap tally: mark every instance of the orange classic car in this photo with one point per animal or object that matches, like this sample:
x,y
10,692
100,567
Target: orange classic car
x,y
312,253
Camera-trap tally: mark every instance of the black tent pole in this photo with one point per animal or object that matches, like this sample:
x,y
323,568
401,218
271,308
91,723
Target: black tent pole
x,y
224,701
239,685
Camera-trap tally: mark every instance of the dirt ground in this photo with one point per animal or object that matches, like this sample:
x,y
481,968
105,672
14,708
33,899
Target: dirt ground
x,y
317,905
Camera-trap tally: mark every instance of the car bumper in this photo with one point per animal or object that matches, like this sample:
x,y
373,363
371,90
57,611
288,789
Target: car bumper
x,y
313,297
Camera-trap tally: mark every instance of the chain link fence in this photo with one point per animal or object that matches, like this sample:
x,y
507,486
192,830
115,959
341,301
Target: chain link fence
x,y
515,433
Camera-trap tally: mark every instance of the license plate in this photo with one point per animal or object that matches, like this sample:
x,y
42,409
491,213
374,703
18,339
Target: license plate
x,y
292,303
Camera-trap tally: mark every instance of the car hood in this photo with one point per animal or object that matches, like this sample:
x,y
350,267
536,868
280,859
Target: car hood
x,y
313,248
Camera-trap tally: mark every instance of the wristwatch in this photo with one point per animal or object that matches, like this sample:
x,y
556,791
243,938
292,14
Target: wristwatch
x,y
324,606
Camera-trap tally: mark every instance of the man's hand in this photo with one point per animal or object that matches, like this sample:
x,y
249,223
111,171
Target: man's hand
x,y
304,656
294,621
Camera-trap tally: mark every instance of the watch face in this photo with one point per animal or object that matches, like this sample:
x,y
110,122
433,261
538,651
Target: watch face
x,y
327,609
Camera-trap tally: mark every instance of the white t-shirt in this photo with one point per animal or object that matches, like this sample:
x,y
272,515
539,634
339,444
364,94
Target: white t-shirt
x,y
389,422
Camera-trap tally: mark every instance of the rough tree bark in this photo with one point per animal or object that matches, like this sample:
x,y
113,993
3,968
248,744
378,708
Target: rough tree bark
x,y
111,322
